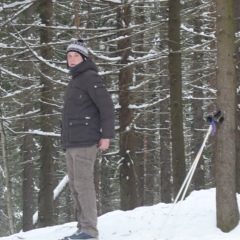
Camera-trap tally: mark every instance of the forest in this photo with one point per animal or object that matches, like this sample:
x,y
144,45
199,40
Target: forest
x,y
168,65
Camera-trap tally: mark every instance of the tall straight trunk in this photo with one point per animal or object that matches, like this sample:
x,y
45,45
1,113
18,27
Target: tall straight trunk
x,y
165,138
27,148
140,135
128,187
226,201
197,104
105,189
28,179
150,165
212,73
237,52
45,200
77,19
175,75
10,211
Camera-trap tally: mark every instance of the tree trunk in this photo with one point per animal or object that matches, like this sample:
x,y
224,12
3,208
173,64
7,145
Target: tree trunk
x,y
105,191
96,180
45,200
8,191
77,19
227,208
27,148
165,138
28,180
140,135
128,186
212,73
197,104
237,52
175,74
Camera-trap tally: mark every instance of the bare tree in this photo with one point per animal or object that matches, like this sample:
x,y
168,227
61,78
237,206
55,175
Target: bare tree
x,y
140,135
10,210
227,208
27,147
197,103
212,85
45,198
127,136
165,131
237,52
175,75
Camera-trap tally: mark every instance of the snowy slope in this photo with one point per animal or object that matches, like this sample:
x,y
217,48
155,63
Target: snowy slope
x,y
192,219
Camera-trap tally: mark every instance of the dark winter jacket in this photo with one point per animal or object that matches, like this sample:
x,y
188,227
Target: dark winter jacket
x,y
88,112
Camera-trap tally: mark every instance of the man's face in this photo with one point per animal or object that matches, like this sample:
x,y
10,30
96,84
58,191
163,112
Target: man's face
x,y
73,59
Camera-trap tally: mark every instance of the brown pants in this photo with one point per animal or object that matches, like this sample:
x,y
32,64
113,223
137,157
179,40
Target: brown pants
x,y
80,167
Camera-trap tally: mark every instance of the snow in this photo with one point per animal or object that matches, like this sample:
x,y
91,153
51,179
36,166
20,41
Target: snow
x,y
191,219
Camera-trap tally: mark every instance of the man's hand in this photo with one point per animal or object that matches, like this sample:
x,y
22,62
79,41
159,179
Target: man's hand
x,y
103,144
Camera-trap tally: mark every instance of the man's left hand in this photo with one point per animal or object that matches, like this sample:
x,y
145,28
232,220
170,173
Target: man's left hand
x,y
104,144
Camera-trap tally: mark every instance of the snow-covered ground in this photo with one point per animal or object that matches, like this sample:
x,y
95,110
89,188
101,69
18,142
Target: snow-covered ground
x,y
192,219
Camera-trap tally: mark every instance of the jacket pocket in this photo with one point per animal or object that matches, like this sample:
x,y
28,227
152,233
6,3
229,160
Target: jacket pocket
x,y
78,130
100,89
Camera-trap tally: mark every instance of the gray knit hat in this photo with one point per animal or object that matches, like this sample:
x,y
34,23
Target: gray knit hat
x,y
78,46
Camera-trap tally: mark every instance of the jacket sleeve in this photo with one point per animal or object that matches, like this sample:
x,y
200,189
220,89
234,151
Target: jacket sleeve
x,y
102,99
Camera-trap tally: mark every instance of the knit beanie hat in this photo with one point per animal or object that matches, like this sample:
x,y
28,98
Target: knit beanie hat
x,y
78,46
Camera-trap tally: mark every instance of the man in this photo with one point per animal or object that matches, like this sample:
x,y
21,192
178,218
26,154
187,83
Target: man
x,y
87,125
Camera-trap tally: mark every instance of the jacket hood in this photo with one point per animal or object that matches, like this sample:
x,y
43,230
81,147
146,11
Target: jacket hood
x,y
86,65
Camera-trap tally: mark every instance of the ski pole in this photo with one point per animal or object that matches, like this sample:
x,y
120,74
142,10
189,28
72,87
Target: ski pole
x,y
189,176
192,169
194,165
